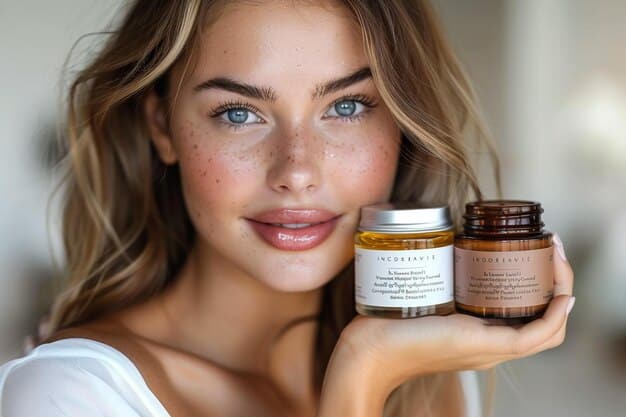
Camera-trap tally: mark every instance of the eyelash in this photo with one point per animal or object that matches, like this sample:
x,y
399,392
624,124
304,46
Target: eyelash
x,y
368,102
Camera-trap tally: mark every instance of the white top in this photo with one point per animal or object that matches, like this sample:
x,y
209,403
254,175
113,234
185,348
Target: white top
x,y
78,377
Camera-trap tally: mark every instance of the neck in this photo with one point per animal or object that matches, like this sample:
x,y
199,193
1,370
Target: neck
x,y
220,313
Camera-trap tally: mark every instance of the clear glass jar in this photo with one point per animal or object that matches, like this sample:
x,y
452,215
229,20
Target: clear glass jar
x,y
404,261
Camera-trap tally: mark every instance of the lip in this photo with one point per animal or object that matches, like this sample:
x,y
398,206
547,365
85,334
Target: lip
x,y
323,223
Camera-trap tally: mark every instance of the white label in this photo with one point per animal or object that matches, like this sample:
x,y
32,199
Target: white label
x,y
404,278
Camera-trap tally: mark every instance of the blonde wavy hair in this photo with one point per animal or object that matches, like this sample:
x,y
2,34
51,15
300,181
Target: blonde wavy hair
x,y
121,248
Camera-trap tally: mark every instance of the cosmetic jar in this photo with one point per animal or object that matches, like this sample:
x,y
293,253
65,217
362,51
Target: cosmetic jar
x,y
404,261
503,262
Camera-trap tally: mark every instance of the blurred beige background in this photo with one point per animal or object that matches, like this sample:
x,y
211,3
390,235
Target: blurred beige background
x,y
551,79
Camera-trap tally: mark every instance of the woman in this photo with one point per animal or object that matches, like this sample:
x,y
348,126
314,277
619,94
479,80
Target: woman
x,y
219,153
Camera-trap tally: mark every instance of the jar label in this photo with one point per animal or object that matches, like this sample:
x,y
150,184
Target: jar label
x,y
503,279
404,278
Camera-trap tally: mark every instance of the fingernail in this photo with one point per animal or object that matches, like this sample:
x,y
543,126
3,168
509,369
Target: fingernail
x,y
559,246
27,345
570,305
44,327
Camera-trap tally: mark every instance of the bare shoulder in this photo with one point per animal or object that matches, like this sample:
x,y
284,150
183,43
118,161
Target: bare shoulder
x,y
108,332
145,358
184,383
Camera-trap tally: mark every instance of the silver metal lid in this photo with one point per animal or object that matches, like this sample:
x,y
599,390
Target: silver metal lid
x,y
405,218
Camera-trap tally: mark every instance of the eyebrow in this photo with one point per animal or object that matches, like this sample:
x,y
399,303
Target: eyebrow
x,y
248,90
343,82
268,93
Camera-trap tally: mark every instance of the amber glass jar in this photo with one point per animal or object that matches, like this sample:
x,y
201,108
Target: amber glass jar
x,y
404,261
503,261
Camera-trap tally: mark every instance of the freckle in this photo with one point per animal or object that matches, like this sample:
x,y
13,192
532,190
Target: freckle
x,y
217,180
271,154
209,160
195,146
204,173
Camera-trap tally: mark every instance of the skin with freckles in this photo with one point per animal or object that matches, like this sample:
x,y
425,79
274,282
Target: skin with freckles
x,y
289,152
279,112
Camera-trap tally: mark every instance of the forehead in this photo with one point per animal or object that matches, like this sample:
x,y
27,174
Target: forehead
x,y
280,41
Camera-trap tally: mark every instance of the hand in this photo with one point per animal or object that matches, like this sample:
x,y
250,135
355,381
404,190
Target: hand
x,y
397,350
43,331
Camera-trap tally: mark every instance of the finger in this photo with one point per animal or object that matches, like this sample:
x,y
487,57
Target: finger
x,y
553,342
563,274
507,342
542,329
559,337
27,345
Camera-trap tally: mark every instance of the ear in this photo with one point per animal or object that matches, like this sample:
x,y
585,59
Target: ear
x,y
158,127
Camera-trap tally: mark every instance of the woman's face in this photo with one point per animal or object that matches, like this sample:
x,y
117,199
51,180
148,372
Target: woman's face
x,y
281,136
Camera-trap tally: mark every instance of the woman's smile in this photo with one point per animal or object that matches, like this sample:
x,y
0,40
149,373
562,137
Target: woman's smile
x,y
294,229
276,152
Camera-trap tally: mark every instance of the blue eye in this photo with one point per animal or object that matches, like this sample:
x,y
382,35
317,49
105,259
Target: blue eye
x,y
346,108
239,116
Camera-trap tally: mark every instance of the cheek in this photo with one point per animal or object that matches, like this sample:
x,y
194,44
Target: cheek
x,y
214,178
367,169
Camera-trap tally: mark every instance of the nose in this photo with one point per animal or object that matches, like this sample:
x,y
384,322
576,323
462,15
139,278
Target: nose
x,y
296,164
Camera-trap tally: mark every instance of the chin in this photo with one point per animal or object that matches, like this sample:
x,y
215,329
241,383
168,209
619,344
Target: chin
x,y
298,278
